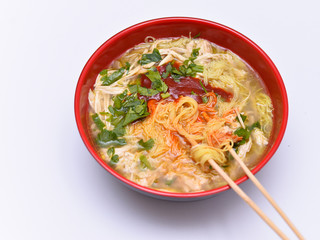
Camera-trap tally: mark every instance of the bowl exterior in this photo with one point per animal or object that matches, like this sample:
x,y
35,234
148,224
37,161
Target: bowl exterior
x,y
176,27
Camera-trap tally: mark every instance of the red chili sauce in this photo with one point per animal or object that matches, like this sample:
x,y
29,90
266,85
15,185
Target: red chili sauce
x,y
188,86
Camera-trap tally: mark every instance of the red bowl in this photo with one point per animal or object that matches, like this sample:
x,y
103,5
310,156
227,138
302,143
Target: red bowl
x,y
175,27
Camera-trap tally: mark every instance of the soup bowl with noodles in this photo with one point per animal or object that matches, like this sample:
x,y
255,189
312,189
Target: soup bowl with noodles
x,y
161,98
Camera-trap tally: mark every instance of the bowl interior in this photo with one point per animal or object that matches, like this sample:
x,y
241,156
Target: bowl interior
x,y
176,27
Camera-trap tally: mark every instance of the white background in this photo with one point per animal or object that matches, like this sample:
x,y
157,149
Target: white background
x,y
51,187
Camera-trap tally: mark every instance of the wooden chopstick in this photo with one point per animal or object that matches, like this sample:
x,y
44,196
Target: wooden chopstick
x,y
261,188
246,198
242,194
265,193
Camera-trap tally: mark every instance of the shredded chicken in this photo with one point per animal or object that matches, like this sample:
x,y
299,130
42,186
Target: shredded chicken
x,y
259,137
244,149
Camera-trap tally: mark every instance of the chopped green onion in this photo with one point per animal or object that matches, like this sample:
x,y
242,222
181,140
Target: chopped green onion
x,y
195,53
204,89
197,35
165,95
144,162
142,90
127,66
104,72
169,182
205,99
104,113
196,68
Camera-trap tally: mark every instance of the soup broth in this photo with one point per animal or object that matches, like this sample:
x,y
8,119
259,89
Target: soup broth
x,y
167,106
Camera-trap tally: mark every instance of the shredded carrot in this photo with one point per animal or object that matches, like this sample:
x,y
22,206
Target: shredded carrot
x,y
199,119
236,138
205,116
231,111
174,142
209,106
152,104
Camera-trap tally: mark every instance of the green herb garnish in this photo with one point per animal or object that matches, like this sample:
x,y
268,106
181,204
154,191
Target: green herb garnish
x,y
243,117
194,54
193,93
169,182
104,113
115,76
97,121
155,78
255,125
168,71
184,70
126,109
195,68
142,90
175,73
134,114
114,159
127,66
205,99
165,95
153,74
119,130
108,138
111,152
144,163
245,133
146,145
152,57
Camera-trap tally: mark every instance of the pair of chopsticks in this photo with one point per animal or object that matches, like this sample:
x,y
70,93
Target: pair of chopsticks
x,y
250,202
264,192
247,199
